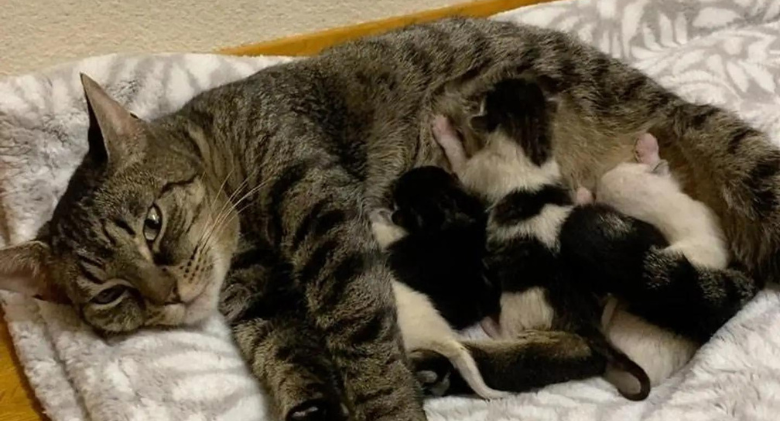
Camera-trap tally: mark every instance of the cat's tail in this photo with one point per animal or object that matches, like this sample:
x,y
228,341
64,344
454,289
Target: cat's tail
x,y
531,360
464,363
687,299
625,374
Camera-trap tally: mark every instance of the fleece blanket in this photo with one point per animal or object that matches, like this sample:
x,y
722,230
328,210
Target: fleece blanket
x,y
718,51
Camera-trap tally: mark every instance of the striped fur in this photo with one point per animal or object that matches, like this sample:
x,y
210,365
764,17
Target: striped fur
x,y
307,148
543,248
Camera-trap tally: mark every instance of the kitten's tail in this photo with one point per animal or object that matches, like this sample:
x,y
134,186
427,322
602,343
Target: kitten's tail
x,y
689,300
531,360
464,363
627,376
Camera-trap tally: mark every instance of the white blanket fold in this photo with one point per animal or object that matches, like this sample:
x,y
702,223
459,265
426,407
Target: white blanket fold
x,y
718,51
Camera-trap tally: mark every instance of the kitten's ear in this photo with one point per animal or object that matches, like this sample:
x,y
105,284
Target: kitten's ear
x,y
113,131
662,168
646,149
24,269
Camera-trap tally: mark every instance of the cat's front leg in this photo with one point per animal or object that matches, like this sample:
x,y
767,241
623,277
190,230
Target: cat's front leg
x,y
267,313
347,287
287,358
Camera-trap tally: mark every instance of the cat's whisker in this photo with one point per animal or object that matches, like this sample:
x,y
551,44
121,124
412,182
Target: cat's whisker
x,y
215,197
223,209
226,217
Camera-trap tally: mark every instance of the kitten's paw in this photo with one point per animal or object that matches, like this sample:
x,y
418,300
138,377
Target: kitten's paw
x,y
432,371
317,410
491,327
450,142
381,216
442,127
385,231
584,196
646,149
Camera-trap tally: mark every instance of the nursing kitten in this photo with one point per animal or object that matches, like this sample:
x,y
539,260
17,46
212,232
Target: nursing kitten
x,y
529,210
646,190
435,241
440,249
292,160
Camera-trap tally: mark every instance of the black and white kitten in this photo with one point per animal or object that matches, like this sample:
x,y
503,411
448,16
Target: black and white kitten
x,y
435,241
647,190
590,248
530,210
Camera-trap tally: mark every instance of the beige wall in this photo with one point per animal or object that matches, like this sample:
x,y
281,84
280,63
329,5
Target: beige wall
x,y
38,33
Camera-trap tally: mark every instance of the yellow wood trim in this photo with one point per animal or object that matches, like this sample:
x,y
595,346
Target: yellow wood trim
x,y
308,44
17,401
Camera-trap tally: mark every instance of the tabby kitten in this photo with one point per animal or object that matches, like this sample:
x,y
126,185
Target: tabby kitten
x,y
295,156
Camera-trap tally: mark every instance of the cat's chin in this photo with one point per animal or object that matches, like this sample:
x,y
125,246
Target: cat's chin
x,y
206,302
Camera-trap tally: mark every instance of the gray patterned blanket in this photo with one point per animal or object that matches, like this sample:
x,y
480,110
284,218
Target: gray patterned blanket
x,y
719,51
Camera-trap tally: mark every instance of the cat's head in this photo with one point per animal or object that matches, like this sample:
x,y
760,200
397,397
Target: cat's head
x,y
431,199
508,141
142,236
630,181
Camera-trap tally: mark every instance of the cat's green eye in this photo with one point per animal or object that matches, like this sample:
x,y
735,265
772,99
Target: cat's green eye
x,y
152,224
109,295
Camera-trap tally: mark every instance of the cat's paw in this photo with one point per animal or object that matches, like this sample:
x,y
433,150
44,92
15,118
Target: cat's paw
x,y
385,231
432,371
646,150
317,410
583,196
491,326
443,128
449,140
381,216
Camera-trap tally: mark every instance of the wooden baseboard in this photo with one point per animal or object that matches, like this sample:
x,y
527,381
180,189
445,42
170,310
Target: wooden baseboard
x,y
17,400
308,44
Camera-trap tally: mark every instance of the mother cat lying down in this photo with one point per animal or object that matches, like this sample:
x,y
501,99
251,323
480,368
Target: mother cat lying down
x,y
294,157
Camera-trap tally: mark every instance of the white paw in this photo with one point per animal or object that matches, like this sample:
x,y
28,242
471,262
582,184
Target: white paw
x,y
583,196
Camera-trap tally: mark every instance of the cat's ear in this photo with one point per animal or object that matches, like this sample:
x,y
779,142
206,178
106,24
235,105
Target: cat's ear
x,y
662,167
114,132
646,149
24,269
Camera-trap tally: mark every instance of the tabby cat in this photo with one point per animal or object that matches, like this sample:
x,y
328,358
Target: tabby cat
x,y
295,156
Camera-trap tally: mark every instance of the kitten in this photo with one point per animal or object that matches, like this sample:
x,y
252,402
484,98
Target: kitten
x,y
646,190
529,210
296,156
435,242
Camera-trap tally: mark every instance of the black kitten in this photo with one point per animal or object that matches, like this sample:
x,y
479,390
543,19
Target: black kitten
x,y
441,255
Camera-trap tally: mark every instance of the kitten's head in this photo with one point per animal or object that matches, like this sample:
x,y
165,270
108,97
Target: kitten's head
x,y
633,181
517,111
514,133
431,199
141,236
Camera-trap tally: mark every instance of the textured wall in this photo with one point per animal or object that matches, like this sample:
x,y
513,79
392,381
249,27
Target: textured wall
x,y
39,33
